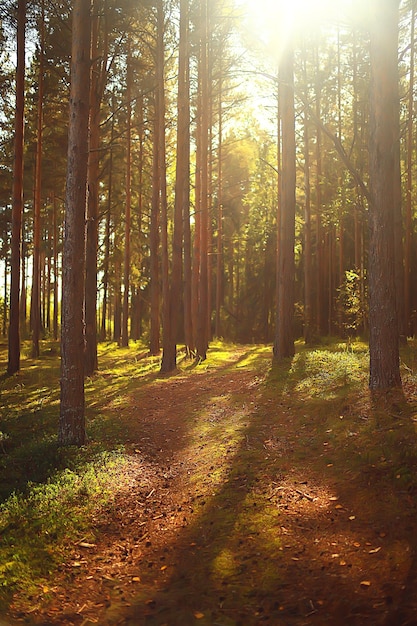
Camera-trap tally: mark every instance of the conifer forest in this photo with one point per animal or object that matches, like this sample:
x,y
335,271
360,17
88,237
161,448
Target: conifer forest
x,y
208,266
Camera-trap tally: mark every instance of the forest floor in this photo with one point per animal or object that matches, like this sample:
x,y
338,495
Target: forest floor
x,y
249,495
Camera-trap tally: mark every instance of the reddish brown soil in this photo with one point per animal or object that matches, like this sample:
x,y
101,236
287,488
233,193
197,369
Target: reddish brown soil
x,y
289,532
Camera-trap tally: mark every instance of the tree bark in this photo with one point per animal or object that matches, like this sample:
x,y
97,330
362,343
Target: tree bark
x,y
172,314
203,304
13,364
384,111
35,308
128,203
284,333
72,417
409,180
90,356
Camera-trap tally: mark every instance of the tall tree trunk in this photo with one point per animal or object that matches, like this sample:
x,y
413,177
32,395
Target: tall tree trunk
x,y
13,364
106,259
203,304
384,111
308,286
90,356
188,318
35,308
162,192
154,346
182,183
284,333
128,203
219,258
72,417
319,252
409,180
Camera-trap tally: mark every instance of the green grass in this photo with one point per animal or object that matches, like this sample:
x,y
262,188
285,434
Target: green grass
x,y
50,495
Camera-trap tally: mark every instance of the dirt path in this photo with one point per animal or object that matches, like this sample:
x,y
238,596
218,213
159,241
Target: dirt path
x,y
240,508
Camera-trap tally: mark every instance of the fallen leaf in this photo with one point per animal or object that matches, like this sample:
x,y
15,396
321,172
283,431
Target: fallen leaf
x,y
335,556
342,562
163,568
333,498
375,550
198,615
84,544
356,544
338,506
45,589
365,583
136,579
352,517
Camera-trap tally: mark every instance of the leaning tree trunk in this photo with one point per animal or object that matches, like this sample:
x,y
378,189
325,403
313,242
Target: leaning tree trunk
x,y
384,111
72,417
13,364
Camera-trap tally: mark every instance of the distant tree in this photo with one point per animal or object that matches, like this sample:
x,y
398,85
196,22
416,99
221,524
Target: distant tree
x,y
384,114
14,331
72,417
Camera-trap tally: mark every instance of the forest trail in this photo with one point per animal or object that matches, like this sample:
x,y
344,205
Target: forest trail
x,y
244,504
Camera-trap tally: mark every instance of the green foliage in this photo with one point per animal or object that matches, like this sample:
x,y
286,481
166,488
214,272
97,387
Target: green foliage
x,y
38,527
352,300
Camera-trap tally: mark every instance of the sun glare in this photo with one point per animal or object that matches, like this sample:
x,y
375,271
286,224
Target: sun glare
x,y
279,20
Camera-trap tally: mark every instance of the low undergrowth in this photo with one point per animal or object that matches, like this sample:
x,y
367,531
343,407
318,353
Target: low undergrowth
x,y
247,444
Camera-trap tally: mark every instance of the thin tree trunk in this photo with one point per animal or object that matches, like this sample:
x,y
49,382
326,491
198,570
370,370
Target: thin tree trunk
x,y
308,293
219,260
23,290
13,364
55,265
319,253
72,417
91,358
203,304
154,346
106,260
35,308
128,204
